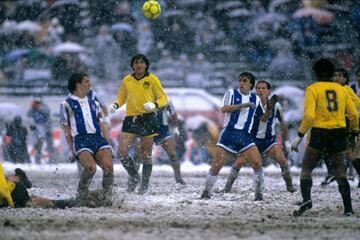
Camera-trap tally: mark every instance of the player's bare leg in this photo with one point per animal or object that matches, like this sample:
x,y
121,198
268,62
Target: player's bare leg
x,y
146,152
219,160
343,184
125,143
253,156
104,159
169,147
311,159
277,154
88,163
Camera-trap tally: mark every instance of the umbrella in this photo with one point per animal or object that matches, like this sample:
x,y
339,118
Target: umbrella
x,y
173,13
228,5
276,3
69,47
239,12
8,111
60,3
320,15
16,54
190,2
28,26
289,91
122,27
270,18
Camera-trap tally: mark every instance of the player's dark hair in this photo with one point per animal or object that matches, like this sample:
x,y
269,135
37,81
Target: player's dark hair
x,y
74,79
324,70
268,85
249,76
344,73
140,56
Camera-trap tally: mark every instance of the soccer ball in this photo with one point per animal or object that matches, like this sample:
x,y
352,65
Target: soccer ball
x,y
151,9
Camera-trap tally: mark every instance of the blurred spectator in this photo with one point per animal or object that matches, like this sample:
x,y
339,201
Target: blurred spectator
x,y
16,143
107,54
204,134
41,128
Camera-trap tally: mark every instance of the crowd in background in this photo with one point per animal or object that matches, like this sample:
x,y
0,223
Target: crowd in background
x,y
210,41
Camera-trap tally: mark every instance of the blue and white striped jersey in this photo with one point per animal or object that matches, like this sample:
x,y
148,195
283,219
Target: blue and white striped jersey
x,y
81,115
240,119
266,129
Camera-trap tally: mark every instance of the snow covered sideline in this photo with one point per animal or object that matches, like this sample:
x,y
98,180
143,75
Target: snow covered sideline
x,y
170,211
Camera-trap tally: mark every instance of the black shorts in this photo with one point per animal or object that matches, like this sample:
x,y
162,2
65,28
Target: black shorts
x,y
20,195
142,125
328,140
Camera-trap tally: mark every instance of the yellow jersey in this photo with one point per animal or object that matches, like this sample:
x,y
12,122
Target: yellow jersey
x,y
6,188
136,92
325,106
353,96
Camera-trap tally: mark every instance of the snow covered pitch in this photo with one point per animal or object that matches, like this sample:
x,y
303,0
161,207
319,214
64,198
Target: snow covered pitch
x,y
170,211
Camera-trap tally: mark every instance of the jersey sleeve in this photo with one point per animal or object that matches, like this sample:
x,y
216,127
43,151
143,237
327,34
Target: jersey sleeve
x,y
64,114
309,111
352,114
160,96
228,98
171,108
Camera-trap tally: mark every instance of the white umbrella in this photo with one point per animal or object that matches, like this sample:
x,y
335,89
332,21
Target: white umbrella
x,y
229,5
69,47
174,13
320,15
239,12
8,111
122,27
60,3
28,26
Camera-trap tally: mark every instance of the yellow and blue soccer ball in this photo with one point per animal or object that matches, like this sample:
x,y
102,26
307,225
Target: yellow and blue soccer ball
x,y
151,9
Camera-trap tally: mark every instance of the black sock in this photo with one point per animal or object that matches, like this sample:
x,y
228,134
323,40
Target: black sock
x,y
344,189
108,181
356,165
305,185
146,173
85,180
129,166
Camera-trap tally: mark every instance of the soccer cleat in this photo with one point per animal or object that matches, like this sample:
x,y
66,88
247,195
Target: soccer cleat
x,y
132,183
143,188
180,181
290,189
258,197
349,213
328,179
205,195
23,178
303,208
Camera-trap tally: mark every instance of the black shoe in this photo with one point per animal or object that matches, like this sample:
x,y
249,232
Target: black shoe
x,y
258,197
205,195
290,189
23,178
180,181
132,183
328,179
349,213
143,189
303,208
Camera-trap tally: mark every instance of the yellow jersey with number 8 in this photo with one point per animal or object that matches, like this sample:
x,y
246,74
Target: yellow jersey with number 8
x,y
325,106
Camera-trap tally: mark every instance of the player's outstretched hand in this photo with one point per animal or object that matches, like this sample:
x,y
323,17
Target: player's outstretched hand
x,y
71,157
